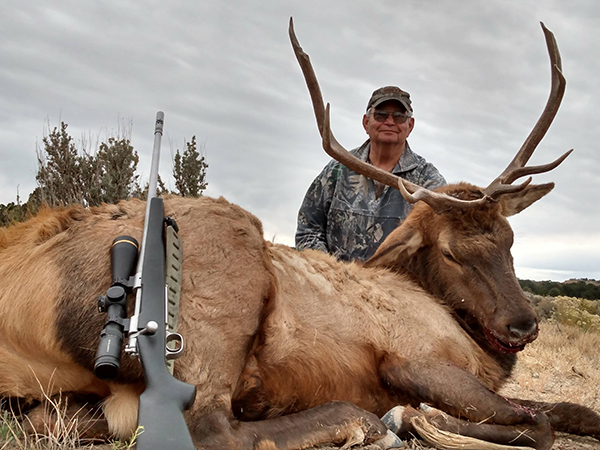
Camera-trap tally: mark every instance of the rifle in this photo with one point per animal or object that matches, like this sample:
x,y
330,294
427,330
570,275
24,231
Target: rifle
x,y
165,398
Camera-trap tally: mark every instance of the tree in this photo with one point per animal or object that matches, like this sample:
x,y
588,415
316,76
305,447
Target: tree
x,y
65,177
554,292
587,289
89,177
118,162
12,213
161,189
59,169
189,171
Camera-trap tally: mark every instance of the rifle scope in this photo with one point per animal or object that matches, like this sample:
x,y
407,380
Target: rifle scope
x,y
123,257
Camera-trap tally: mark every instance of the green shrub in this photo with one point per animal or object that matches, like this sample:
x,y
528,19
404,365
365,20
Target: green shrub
x,y
577,312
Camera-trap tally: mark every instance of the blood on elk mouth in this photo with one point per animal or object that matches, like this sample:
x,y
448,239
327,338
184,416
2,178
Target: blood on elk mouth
x,y
482,333
503,346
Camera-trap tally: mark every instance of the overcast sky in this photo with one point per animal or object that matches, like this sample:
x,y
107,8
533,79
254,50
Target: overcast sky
x,y
224,71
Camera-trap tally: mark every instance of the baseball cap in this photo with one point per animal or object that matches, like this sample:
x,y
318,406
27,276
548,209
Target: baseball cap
x,y
386,93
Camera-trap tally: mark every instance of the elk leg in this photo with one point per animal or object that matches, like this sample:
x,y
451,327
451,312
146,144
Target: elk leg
x,y
450,389
567,417
401,420
335,422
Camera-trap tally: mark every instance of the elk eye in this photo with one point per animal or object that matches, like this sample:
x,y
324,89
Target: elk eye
x,y
449,256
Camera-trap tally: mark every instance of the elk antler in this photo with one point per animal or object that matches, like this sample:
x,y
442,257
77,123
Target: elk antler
x,y
516,169
414,193
411,192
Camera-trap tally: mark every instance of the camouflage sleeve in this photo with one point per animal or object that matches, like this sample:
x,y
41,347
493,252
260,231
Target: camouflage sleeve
x,y
431,178
312,217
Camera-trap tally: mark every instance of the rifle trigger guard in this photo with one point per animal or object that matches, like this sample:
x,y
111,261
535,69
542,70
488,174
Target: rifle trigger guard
x,y
173,345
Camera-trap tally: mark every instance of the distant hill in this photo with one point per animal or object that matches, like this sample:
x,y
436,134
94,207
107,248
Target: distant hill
x,y
586,280
578,288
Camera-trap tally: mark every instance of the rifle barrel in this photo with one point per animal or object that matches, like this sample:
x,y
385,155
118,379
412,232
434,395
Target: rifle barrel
x,y
153,182
131,346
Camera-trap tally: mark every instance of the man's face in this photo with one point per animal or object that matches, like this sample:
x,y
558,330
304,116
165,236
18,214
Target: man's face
x,y
387,132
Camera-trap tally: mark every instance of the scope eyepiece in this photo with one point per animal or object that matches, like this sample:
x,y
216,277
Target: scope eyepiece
x,y
123,256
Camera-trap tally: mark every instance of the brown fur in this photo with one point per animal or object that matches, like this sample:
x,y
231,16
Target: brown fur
x,y
272,333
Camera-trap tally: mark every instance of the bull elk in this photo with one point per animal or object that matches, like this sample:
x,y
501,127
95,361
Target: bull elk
x,y
291,349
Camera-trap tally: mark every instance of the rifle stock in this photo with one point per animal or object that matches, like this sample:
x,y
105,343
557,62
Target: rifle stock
x,y
165,398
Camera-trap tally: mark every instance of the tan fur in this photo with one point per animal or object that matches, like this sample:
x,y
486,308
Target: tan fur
x,y
267,329
121,408
312,292
330,319
31,361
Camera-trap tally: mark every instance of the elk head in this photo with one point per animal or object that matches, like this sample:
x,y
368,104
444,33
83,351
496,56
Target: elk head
x,y
456,241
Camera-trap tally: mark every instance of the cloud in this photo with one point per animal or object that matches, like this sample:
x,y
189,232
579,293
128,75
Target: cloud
x,y
224,71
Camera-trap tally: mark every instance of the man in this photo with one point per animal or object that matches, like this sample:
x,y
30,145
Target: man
x,y
349,215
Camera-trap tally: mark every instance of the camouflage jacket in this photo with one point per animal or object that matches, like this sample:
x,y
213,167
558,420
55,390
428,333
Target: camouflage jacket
x,y
341,215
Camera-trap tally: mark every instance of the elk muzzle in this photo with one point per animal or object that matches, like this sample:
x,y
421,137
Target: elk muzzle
x,y
510,334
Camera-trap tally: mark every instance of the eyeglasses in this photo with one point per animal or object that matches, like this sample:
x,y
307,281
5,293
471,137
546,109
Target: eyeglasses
x,y
381,116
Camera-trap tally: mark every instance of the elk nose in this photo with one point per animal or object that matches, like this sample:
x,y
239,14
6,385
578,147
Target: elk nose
x,y
523,329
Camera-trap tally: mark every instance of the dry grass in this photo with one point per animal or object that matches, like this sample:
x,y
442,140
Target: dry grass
x,y
62,435
561,365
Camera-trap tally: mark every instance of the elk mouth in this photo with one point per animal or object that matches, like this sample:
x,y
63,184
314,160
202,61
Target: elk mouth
x,y
503,346
482,334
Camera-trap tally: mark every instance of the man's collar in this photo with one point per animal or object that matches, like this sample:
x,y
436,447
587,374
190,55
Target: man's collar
x,y
408,160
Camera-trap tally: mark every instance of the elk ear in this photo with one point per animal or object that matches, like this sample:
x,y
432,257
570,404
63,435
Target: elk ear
x,y
402,243
516,202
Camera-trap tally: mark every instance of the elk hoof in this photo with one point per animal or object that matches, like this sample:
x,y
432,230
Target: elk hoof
x,y
393,419
390,441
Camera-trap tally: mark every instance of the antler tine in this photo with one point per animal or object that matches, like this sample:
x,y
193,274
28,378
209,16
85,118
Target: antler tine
x,y
310,77
437,201
532,170
516,168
